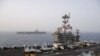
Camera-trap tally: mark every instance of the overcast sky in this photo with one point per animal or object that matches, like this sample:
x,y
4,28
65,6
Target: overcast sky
x,y
45,15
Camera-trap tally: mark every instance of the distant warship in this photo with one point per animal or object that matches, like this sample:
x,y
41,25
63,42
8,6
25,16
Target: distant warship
x,y
30,32
63,36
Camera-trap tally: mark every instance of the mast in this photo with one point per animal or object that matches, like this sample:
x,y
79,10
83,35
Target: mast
x,y
66,27
77,35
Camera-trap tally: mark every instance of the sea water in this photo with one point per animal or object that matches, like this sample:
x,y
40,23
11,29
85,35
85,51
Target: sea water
x,y
12,38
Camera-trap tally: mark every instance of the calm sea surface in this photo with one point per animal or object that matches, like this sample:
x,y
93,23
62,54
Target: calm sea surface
x,y
11,38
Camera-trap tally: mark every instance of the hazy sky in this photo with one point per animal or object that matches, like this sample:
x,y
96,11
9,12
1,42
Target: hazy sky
x,y
45,15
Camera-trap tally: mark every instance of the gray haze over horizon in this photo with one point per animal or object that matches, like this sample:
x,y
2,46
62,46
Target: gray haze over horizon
x,y
45,15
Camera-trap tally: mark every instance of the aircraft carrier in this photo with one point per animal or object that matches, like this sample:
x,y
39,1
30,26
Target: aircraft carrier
x,y
68,44
30,32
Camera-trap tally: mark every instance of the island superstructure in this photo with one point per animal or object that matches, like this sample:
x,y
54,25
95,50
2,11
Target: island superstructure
x,y
63,36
